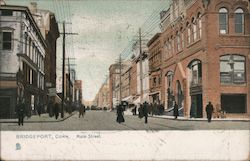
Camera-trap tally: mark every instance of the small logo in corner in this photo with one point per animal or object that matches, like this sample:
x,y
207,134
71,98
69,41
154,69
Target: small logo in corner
x,y
18,146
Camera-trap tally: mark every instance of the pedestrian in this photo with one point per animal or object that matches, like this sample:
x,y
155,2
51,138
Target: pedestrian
x,y
209,110
50,108
20,112
39,109
192,110
140,111
81,110
119,113
161,109
176,112
145,111
56,110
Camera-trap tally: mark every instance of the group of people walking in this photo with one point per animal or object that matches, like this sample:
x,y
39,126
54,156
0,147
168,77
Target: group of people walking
x,y
146,109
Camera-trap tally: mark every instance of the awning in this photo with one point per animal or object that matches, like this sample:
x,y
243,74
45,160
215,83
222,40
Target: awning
x,y
136,101
154,93
57,99
128,99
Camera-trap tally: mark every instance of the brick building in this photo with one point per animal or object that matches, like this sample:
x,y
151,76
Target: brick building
x,y
114,70
206,54
155,61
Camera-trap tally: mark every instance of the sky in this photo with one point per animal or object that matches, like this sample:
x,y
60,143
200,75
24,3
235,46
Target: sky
x,y
104,28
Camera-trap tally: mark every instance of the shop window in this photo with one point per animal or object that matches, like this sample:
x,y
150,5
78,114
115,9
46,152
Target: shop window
x,y
223,21
232,69
239,21
233,103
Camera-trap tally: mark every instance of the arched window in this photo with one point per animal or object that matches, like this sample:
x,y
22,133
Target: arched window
x,y
194,29
196,72
239,21
199,25
178,41
232,69
188,34
182,38
223,20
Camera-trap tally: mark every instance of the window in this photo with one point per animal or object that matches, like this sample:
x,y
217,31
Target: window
x,y
223,20
232,69
182,39
178,39
194,34
239,21
196,73
7,13
199,25
188,34
6,38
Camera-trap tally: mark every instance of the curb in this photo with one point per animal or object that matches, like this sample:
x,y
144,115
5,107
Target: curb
x,y
39,121
199,120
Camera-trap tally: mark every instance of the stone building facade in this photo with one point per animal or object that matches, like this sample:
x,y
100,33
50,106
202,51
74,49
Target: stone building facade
x,y
23,50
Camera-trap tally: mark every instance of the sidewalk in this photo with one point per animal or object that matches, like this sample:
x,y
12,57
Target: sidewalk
x,y
199,119
36,119
180,118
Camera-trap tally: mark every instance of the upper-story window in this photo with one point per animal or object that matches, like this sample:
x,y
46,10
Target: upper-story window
x,y
182,39
199,33
194,30
196,72
178,41
223,21
239,21
6,40
188,34
232,69
6,13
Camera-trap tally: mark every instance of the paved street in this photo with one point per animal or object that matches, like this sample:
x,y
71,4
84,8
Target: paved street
x,y
104,120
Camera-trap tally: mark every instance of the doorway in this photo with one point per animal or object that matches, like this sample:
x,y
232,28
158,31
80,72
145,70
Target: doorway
x,y
197,101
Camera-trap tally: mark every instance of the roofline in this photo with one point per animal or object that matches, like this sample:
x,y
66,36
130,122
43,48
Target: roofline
x,y
155,37
26,9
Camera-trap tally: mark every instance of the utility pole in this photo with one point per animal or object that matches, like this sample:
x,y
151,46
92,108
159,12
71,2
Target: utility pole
x,y
120,78
63,71
63,67
141,76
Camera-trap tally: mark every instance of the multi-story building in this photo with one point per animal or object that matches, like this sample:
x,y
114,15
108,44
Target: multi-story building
x,y
155,61
22,53
114,71
125,84
103,96
133,81
77,92
48,26
206,55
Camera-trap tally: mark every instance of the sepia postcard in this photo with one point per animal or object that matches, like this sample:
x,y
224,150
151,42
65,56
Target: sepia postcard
x,y
125,80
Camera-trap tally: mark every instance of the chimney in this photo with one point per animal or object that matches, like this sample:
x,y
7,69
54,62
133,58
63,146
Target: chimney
x,y
33,7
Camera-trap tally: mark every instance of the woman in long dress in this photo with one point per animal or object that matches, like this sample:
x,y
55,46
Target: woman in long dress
x,y
120,117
